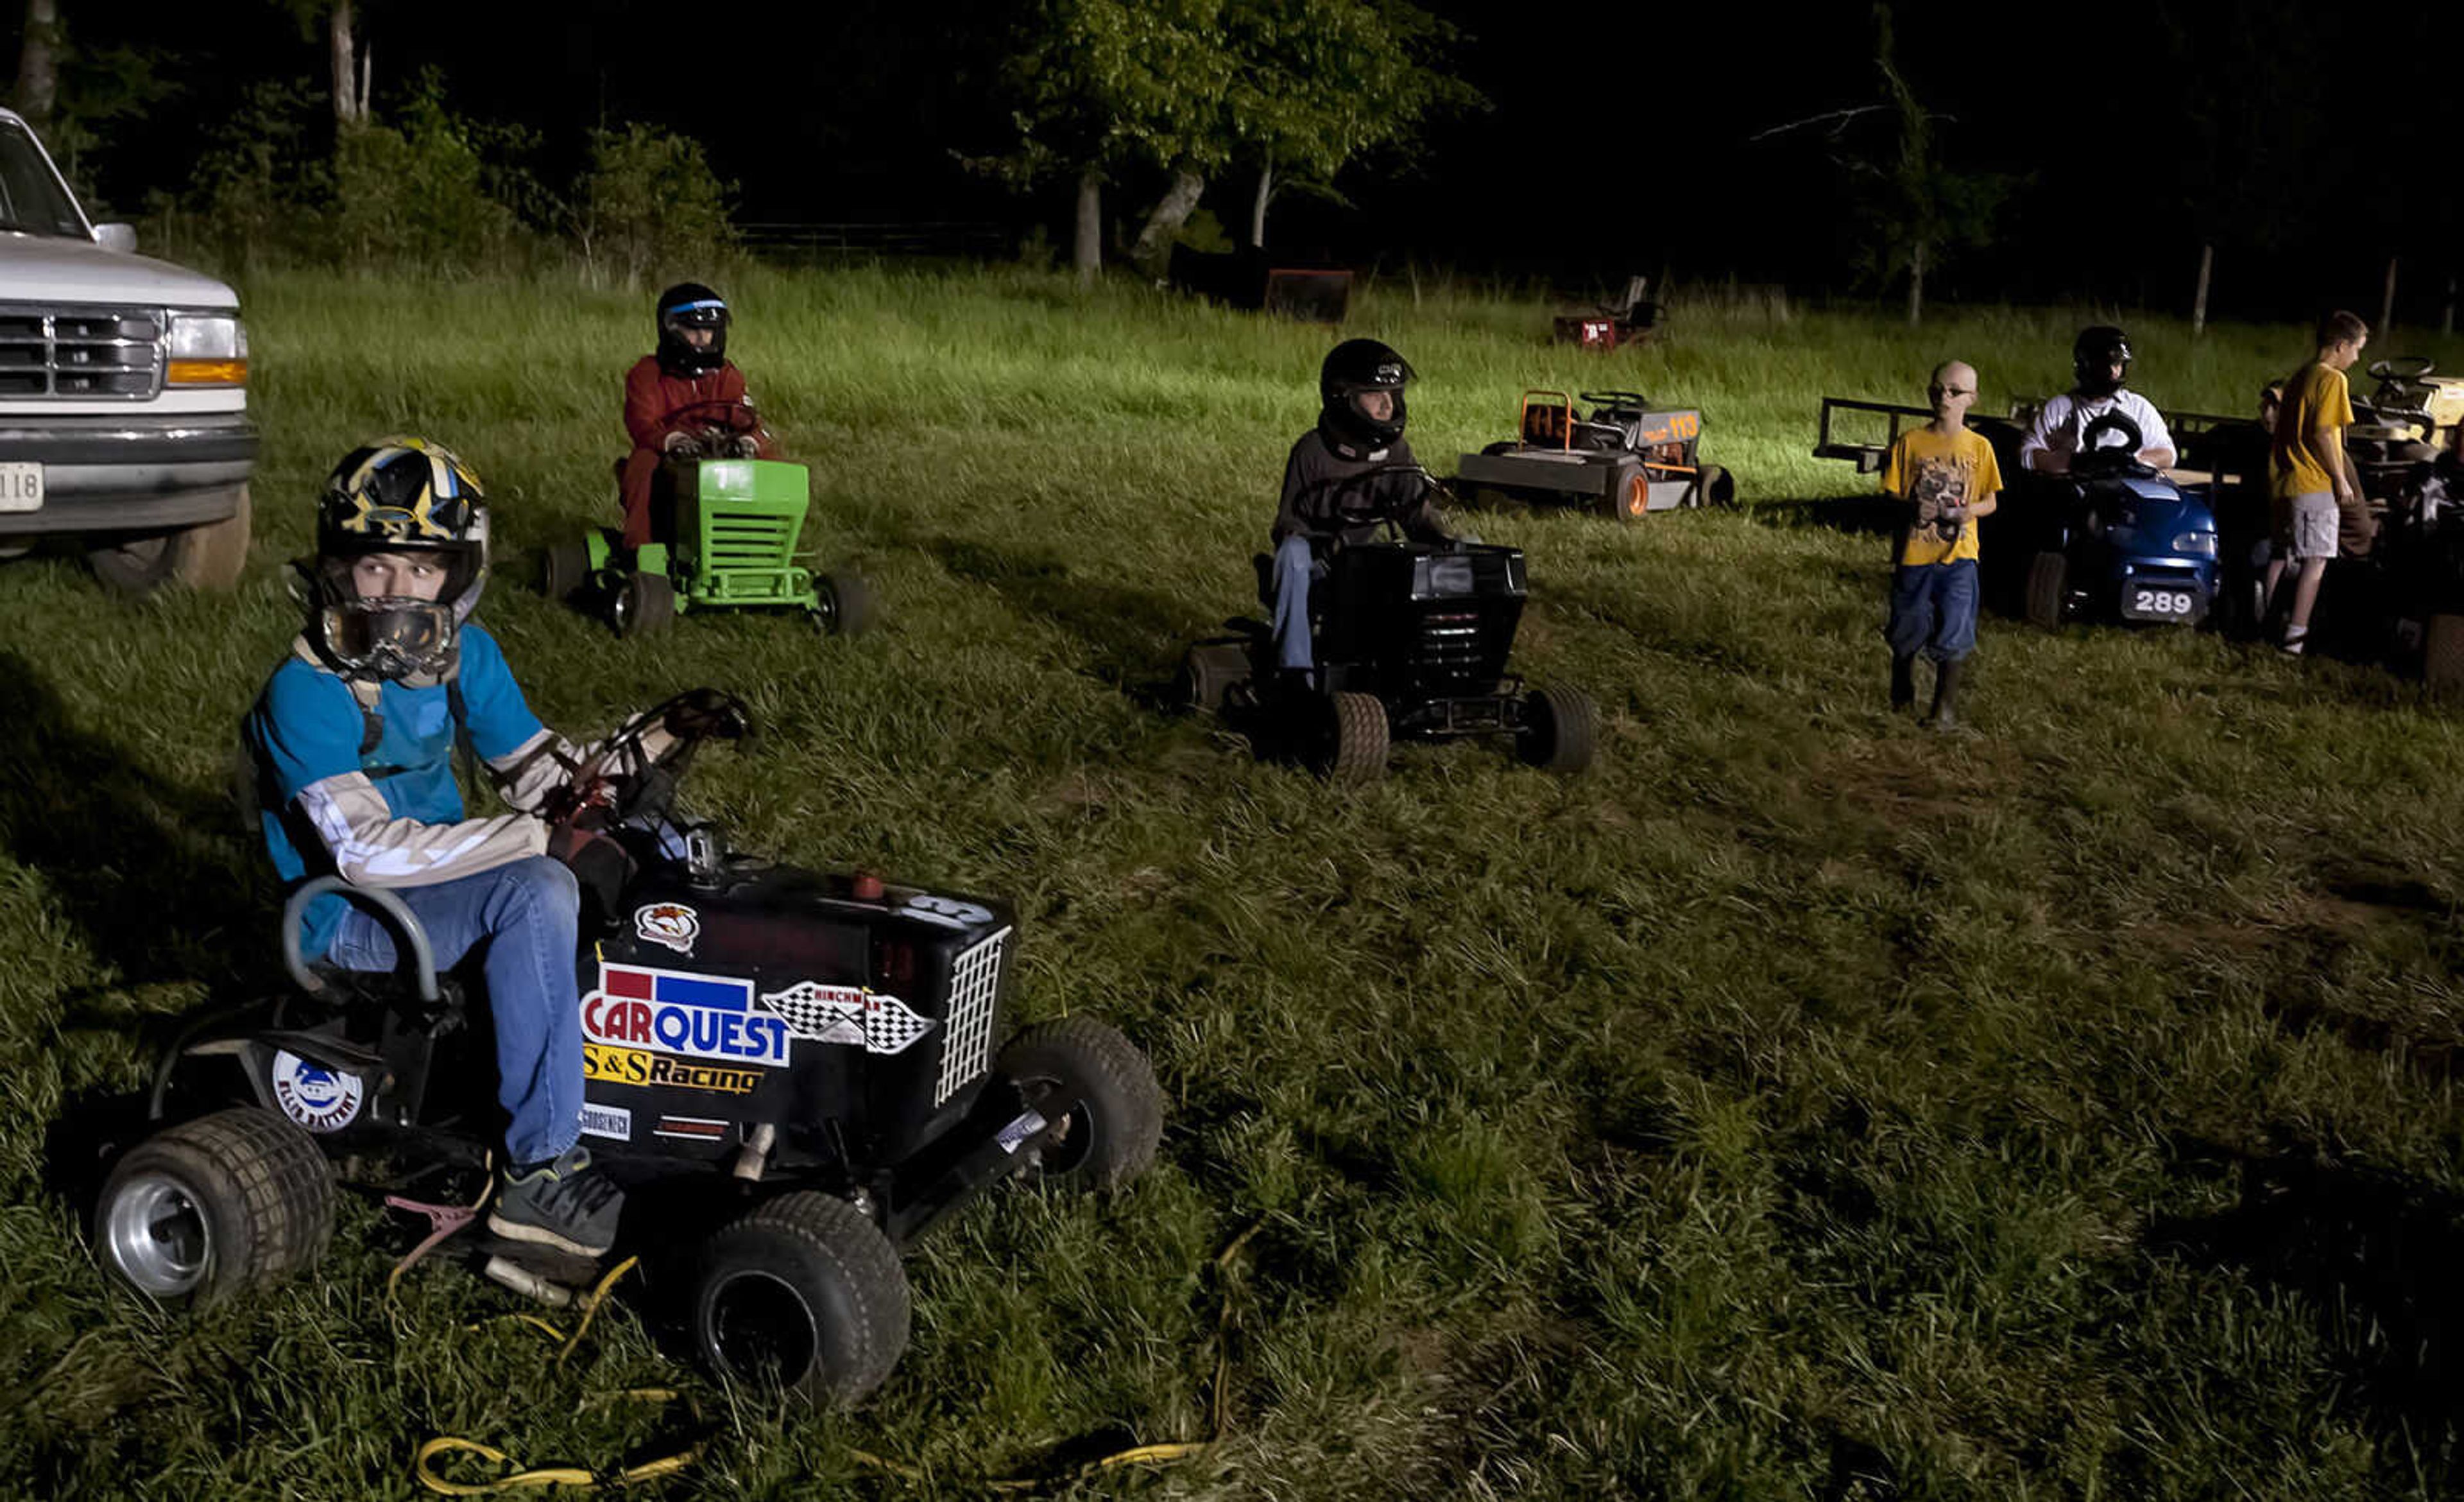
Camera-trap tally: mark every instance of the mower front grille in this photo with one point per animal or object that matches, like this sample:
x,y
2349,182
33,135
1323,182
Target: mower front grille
x,y
739,539
974,995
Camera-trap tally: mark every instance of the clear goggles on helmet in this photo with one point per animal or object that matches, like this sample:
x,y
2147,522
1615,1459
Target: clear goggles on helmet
x,y
389,636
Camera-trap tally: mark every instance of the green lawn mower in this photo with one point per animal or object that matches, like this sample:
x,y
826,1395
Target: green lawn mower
x,y
725,533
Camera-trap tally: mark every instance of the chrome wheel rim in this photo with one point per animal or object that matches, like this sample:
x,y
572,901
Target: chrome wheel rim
x,y
157,1237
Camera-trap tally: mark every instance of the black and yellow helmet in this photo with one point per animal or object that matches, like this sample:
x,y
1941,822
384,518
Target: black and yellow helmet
x,y
396,495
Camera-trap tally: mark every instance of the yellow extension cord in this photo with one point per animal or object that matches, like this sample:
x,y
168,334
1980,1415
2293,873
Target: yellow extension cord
x,y
575,1476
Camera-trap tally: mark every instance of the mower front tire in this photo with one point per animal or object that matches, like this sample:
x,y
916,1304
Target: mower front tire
x,y
844,604
1099,1096
564,568
645,604
1209,671
804,1293
1558,729
1629,493
2049,584
206,1209
1352,740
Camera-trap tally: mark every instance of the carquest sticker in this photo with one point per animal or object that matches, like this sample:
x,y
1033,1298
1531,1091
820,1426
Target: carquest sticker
x,y
692,1129
670,924
615,1121
848,1014
633,1067
675,1012
318,1098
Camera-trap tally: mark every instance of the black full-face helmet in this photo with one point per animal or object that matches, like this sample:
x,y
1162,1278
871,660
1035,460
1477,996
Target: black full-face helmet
x,y
2094,353
403,496
688,304
1353,367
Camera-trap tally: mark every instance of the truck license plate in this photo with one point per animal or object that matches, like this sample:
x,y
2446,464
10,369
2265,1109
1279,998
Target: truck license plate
x,y
21,487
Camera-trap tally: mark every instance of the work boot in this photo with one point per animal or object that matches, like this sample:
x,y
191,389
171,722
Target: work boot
x,y
1944,714
1903,683
563,1203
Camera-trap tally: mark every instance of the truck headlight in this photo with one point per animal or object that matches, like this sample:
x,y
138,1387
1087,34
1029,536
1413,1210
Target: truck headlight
x,y
2203,545
205,349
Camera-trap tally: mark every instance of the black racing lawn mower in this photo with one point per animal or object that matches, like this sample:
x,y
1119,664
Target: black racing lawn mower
x,y
1412,641
794,1073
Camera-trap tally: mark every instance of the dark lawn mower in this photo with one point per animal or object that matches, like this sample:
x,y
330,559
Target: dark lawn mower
x,y
2112,540
1411,640
1627,458
792,1072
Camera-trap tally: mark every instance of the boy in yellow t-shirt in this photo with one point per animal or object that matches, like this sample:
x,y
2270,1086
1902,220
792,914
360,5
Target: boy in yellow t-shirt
x,y
1949,477
2310,478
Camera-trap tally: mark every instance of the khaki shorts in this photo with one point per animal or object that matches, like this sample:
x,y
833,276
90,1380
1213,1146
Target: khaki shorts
x,y
2306,526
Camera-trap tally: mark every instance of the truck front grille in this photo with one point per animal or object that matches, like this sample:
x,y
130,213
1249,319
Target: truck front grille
x,y
974,995
81,353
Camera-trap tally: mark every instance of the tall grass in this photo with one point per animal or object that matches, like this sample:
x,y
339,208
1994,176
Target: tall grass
x,y
1798,1104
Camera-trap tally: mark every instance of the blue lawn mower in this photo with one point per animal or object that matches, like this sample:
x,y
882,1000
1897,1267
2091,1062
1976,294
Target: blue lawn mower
x,y
2112,540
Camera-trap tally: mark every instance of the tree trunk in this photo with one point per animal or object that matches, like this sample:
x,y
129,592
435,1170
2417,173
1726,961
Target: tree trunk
x,y
38,63
1086,246
2386,304
1154,250
350,80
1258,206
1916,285
2199,298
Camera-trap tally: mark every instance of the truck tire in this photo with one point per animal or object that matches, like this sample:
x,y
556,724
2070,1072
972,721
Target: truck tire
x,y
1099,1094
2049,582
1558,730
206,1209
207,556
805,1293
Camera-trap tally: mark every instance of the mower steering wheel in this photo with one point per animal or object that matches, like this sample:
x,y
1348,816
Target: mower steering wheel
x,y
2092,446
1613,398
2401,367
638,785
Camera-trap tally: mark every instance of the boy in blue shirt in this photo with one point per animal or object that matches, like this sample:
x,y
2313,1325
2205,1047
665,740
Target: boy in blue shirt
x,y
353,741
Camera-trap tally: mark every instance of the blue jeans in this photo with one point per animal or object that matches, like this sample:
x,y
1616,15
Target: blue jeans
x,y
1933,610
1296,569
526,913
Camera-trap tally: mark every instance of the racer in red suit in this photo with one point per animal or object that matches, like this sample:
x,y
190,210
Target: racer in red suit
x,y
687,396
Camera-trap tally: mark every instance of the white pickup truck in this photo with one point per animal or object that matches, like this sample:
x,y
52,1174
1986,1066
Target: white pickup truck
x,y
123,391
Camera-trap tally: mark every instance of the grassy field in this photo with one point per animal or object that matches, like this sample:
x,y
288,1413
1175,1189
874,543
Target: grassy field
x,y
1799,1105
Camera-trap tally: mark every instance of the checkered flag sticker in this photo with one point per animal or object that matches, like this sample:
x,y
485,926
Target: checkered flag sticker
x,y
847,1014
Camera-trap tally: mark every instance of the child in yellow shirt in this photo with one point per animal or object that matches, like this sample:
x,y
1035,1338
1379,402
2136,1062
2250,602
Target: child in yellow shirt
x,y
1948,479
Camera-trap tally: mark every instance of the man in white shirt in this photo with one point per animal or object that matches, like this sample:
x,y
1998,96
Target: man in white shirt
x,y
2099,362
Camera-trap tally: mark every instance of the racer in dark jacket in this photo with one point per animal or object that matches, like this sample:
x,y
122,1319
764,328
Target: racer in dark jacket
x,y
1346,477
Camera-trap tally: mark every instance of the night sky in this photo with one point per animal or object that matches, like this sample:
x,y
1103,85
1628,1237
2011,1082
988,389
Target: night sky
x,y
1619,136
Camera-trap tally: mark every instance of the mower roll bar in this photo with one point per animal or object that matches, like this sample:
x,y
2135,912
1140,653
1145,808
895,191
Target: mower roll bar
x,y
395,912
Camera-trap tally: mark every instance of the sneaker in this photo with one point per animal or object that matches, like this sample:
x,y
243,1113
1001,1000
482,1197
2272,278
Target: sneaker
x,y
2295,637
563,1203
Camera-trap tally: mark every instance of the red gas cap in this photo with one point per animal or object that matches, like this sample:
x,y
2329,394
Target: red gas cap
x,y
867,886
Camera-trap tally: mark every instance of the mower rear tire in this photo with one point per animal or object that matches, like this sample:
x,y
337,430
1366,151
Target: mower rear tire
x,y
847,605
206,1209
1352,739
1560,727
804,1293
563,568
1207,673
2049,587
1629,493
1098,1094
2442,652
1714,486
645,605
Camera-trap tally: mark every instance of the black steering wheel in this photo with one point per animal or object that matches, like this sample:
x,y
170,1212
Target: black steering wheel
x,y
633,784
1634,399
1355,498
2401,367
2097,457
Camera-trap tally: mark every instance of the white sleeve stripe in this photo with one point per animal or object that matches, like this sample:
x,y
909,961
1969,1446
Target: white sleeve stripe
x,y
356,857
